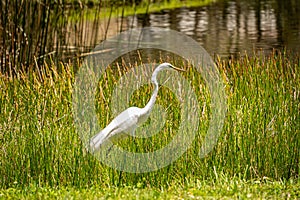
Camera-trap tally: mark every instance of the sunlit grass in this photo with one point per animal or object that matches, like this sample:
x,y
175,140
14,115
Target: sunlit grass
x,y
123,10
260,140
163,5
223,188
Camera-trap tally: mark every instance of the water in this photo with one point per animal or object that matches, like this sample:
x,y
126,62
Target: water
x,y
234,27
33,30
228,28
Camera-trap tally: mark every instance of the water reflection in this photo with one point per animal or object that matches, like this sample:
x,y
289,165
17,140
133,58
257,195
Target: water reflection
x,y
236,26
225,28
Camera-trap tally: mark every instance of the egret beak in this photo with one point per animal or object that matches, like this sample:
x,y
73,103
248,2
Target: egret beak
x,y
178,69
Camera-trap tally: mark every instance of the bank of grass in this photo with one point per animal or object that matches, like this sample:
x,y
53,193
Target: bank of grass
x,y
222,189
41,149
147,7
122,9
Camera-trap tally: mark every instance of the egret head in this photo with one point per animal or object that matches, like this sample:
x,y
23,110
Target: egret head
x,y
163,66
167,66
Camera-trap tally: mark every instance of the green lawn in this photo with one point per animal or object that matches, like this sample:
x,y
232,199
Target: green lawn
x,y
225,189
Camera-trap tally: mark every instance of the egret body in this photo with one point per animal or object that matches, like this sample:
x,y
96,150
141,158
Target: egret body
x,y
129,119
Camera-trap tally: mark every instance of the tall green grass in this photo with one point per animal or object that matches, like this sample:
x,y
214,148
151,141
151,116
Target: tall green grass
x,y
40,145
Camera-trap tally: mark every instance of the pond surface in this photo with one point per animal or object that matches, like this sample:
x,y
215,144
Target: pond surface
x,y
234,27
226,28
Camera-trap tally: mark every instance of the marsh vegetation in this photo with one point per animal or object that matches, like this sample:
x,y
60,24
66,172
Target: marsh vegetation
x,y
41,154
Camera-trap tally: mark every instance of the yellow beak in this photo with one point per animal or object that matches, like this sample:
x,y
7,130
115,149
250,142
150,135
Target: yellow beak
x,y
178,69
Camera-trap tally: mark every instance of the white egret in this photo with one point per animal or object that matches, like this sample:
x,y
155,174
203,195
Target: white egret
x,y
129,119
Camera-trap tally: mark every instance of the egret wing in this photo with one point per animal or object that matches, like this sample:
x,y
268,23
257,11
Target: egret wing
x,y
126,121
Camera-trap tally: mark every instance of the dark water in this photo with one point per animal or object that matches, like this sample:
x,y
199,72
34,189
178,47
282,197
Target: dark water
x,y
33,31
236,26
226,28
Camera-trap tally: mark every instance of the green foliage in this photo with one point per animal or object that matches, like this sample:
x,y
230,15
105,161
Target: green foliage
x,y
260,139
